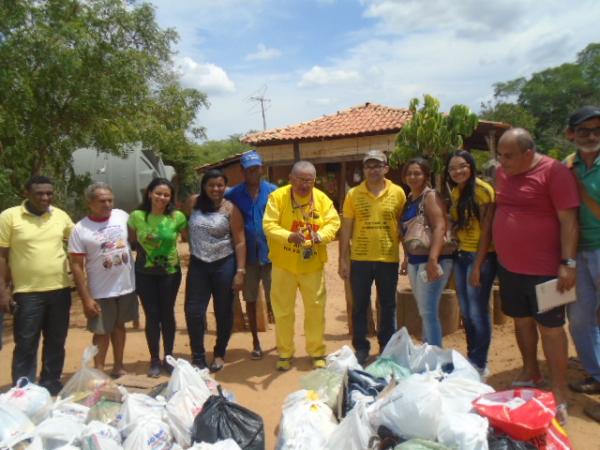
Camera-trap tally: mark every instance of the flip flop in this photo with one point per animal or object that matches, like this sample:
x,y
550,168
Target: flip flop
x,y
256,354
284,364
533,383
118,374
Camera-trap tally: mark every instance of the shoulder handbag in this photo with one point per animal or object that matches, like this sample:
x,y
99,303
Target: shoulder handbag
x,y
417,239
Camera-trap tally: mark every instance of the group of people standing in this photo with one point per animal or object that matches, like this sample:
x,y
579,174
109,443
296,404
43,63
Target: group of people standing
x,y
527,226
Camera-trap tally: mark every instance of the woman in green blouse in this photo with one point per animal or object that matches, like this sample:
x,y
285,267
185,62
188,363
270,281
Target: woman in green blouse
x,y
154,228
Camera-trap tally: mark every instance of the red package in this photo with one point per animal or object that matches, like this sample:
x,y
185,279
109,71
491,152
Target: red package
x,y
555,438
523,413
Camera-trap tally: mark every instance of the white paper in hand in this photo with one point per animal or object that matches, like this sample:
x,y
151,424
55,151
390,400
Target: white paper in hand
x,y
549,297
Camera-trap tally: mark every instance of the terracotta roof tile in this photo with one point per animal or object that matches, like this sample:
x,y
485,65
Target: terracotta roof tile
x,y
365,119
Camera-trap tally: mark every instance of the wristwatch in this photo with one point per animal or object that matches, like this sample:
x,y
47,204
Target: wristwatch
x,y
569,262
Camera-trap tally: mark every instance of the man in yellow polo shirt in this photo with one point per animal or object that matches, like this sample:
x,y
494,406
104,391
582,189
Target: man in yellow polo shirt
x,y
32,252
299,222
370,219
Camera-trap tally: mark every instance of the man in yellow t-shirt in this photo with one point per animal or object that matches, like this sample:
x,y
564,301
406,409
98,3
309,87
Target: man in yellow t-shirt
x,y
33,257
299,222
370,220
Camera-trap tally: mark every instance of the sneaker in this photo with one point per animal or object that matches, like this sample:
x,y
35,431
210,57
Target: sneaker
x,y
588,385
362,356
284,364
319,362
154,371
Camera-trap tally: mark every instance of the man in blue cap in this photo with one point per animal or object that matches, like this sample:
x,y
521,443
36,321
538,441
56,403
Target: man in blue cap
x,y
251,197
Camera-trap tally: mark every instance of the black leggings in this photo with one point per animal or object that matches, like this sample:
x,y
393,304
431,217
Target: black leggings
x,y
157,294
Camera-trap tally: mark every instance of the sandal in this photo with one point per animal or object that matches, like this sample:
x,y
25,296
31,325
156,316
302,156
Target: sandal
x,y
561,414
115,374
256,354
216,365
533,383
284,364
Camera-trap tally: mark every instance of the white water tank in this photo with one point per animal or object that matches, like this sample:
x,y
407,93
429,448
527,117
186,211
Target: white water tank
x,y
127,176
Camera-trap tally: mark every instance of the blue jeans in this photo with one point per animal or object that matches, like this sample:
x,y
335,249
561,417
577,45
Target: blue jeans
x,y
205,279
428,297
362,275
45,314
583,314
475,304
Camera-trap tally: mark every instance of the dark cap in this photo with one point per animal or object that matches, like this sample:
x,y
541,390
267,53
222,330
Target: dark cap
x,y
583,114
377,155
250,159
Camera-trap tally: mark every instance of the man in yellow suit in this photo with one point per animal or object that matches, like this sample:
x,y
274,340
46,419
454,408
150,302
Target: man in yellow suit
x,y
299,222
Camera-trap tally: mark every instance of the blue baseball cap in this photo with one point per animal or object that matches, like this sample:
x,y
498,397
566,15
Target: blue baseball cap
x,y
251,159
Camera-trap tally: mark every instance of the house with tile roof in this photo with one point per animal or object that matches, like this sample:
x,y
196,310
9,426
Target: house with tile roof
x,y
336,144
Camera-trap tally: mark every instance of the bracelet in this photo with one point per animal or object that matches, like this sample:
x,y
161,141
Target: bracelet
x,y
241,270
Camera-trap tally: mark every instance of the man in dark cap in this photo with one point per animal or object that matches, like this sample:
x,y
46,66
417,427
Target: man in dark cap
x,y
584,315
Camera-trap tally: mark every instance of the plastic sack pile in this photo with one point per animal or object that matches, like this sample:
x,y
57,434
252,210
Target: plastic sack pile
x,y
93,413
414,397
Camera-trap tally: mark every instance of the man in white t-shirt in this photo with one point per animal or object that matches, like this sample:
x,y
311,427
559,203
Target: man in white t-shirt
x,y
98,247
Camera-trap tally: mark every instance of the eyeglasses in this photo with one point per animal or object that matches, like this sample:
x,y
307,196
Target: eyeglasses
x,y
305,180
586,132
460,168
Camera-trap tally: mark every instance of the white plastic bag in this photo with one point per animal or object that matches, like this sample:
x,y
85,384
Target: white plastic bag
x,y
66,408
354,432
138,407
149,434
102,430
88,385
464,431
411,409
184,374
34,400
342,360
57,432
182,408
425,357
458,393
306,422
227,444
15,426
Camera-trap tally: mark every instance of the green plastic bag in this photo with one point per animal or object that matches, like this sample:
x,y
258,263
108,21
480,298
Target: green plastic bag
x,y
326,382
386,368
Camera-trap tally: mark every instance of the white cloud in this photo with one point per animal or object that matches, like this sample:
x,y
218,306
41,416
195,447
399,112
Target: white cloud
x,y
207,77
263,53
319,76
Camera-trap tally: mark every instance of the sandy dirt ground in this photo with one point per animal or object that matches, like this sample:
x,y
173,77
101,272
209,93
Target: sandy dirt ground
x,y
260,388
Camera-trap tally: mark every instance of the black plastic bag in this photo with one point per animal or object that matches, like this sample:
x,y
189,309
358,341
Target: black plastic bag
x,y
221,419
504,442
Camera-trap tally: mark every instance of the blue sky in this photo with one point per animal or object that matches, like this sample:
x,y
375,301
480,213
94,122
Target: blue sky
x,y
315,57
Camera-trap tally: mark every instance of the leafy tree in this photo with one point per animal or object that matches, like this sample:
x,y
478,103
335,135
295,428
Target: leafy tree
x,y
85,73
511,113
216,150
543,102
432,134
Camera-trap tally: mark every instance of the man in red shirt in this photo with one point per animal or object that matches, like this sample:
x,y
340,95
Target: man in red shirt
x,y
535,231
